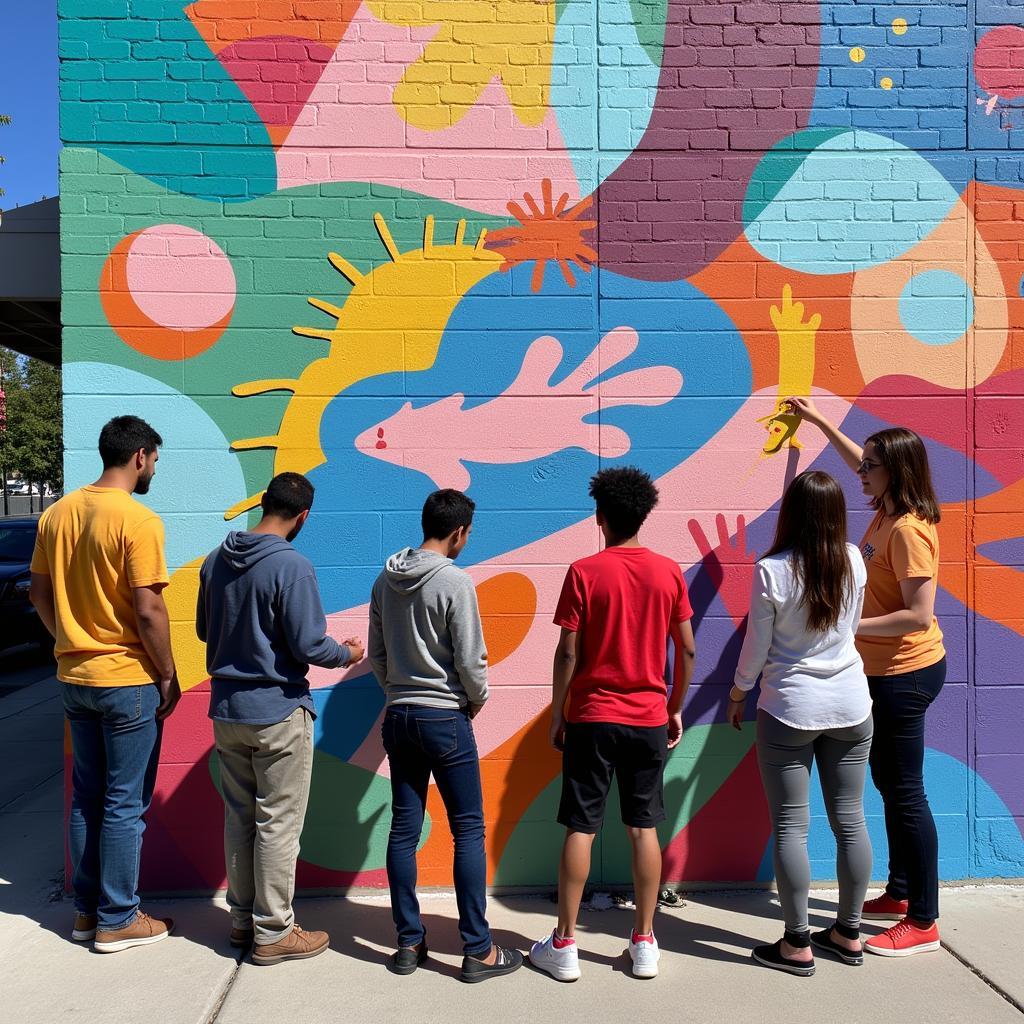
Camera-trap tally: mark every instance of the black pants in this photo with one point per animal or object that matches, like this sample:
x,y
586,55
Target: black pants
x,y
897,770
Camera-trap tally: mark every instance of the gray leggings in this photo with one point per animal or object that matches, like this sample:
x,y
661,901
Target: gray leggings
x,y
785,755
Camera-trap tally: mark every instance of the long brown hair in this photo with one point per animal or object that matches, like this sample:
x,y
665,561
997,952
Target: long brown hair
x,y
812,524
905,459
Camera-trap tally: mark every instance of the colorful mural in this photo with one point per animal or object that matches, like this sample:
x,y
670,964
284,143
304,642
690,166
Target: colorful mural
x,y
496,245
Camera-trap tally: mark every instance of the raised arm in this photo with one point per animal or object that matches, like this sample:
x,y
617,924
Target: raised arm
x,y
851,452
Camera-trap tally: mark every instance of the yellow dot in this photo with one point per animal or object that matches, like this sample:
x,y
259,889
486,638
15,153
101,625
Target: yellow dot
x,y
857,54
899,25
886,83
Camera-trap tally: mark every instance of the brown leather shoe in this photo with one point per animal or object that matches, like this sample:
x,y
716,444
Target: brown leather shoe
x,y
296,945
85,928
242,938
143,931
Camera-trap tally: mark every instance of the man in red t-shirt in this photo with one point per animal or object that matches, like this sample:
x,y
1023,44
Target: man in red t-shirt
x,y
617,610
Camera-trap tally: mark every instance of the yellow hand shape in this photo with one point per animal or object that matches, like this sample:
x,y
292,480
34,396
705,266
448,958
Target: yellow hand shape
x,y
790,318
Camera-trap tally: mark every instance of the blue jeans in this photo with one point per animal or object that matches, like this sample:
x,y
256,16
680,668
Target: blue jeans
x,y
419,741
115,739
899,705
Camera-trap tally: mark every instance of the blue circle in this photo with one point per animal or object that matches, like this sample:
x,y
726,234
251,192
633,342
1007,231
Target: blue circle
x,y
936,307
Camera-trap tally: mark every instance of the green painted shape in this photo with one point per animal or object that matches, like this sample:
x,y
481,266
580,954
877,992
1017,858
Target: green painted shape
x,y
696,770
778,165
348,817
649,18
278,246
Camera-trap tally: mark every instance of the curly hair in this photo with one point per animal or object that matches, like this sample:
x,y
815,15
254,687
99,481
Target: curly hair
x,y
625,497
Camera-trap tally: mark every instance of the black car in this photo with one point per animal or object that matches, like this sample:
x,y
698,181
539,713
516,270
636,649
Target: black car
x,y
19,623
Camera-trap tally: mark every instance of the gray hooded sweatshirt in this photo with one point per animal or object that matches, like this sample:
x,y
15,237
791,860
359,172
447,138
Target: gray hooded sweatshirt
x,y
259,612
425,643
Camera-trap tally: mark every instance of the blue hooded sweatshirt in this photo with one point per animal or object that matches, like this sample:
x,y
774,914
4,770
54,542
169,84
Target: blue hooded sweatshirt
x,y
259,613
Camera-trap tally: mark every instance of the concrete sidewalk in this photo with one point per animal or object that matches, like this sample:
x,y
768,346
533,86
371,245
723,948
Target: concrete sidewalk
x,y
706,971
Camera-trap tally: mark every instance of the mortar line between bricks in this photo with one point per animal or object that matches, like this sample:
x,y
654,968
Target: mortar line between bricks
x,y
28,707
977,972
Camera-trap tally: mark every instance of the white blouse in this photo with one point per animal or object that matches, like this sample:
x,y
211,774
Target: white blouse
x,y
809,680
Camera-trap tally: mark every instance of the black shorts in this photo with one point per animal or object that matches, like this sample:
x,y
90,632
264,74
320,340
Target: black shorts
x,y
594,751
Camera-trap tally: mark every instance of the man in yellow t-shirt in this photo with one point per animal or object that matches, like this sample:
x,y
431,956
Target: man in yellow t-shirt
x,y
98,574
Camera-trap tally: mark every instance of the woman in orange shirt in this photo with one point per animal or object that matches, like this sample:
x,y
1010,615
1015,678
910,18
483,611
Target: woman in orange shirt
x,y
905,661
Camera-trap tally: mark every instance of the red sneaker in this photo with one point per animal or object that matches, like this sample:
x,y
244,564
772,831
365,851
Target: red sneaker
x,y
904,939
885,908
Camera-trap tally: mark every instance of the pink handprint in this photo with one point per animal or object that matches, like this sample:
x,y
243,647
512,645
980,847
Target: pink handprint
x,y
729,564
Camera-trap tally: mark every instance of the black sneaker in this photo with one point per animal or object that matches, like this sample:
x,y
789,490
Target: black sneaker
x,y
406,960
771,956
823,940
507,961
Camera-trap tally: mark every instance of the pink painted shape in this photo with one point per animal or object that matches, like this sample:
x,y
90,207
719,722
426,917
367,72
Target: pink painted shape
x,y
531,419
999,63
276,73
350,130
180,278
727,475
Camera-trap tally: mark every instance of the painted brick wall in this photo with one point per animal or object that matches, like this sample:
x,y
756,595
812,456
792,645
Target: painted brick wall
x,y
497,245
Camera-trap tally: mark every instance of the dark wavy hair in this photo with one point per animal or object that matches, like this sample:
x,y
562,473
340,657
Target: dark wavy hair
x,y
625,496
812,525
905,459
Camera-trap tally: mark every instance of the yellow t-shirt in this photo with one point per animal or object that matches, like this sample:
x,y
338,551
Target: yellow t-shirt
x,y
96,544
898,549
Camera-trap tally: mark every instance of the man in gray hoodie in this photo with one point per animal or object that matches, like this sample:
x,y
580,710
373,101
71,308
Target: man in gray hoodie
x,y
426,648
259,612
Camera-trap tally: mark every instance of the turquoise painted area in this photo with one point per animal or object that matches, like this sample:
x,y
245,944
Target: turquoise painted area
x,y
936,306
855,201
139,83
196,473
949,783
611,103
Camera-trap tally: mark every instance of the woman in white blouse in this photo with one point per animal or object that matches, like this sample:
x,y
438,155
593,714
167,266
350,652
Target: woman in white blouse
x,y
814,707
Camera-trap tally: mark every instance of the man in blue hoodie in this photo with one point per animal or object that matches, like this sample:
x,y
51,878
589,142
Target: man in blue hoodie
x,y
260,615
427,652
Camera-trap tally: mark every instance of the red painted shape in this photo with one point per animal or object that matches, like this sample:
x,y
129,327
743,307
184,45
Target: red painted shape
x,y
276,73
999,61
726,838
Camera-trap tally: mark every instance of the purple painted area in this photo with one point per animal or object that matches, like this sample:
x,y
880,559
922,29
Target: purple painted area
x,y
998,654
735,80
999,712
1005,552
1003,773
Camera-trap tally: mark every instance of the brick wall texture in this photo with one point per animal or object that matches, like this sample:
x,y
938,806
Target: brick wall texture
x,y
496,245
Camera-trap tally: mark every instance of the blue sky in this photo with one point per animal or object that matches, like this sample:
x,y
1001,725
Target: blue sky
x,y
28,92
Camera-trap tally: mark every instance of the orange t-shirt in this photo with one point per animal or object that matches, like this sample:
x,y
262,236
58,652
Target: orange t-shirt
x,y
903,548
96,545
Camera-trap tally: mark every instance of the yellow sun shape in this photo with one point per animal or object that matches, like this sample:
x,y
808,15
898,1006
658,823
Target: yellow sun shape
x,y
391,320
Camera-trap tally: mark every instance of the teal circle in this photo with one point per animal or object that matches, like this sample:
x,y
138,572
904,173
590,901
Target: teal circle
x,y
936,306
828,202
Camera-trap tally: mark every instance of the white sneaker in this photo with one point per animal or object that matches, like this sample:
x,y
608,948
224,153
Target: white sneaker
x,y
645,957
562,964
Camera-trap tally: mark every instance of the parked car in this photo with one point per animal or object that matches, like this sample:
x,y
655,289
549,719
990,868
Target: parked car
x,y
19,622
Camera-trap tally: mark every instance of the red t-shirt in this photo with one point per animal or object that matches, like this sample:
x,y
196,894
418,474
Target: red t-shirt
x,y
622,602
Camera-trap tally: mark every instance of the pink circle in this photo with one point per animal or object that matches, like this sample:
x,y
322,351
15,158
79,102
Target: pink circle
x,y
999,61
179,278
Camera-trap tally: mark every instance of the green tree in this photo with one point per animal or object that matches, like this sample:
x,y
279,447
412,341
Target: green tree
x,y
31,441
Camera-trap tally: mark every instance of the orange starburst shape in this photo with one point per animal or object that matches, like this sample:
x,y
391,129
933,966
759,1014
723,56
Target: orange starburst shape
x,y
552,233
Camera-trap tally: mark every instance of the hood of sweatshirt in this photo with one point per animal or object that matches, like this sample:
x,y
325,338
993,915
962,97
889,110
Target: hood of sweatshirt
x,y
407,570
242,550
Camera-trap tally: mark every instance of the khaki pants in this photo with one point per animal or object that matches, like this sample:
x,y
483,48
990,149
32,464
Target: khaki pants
x,y
265,772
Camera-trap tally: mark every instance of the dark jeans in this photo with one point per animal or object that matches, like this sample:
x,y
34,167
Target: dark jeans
x,y
897,770
419,741
115,740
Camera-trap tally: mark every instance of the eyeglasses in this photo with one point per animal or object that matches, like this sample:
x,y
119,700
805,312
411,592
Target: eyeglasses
x,y
866,467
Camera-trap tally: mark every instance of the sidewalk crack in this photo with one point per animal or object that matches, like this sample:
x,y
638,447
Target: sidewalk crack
x,y
984,977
